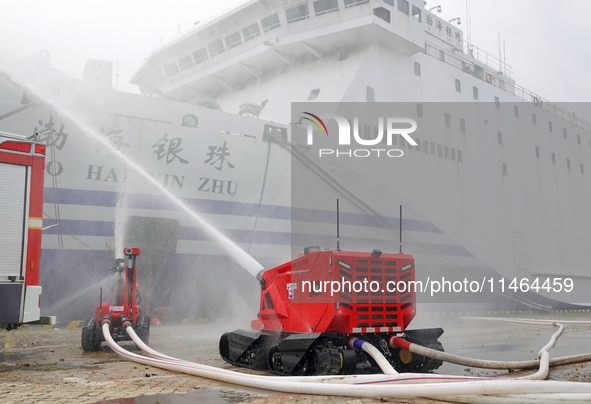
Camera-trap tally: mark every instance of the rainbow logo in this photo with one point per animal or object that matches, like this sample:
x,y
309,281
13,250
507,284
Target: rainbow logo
x,y
319,120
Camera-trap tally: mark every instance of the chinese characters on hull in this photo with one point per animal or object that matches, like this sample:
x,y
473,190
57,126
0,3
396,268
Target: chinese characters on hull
x,y
171,152
53,139
219,154
444,31
50,136
114,139
166,148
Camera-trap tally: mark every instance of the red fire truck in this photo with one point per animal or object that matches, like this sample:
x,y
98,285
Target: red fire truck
x,y
22,167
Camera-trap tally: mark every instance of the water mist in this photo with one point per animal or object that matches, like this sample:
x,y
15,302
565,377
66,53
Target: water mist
x,y
244,259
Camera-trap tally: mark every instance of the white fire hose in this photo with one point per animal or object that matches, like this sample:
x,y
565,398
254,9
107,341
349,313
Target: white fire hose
x,y
441,387
486,364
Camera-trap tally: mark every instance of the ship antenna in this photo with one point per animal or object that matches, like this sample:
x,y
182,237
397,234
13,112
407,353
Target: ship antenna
x,y
500,55
338,247
400,229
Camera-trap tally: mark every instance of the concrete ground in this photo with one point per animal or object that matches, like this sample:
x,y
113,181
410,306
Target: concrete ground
x,y
47,365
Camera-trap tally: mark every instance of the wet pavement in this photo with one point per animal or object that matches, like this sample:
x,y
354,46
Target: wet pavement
x,y
44,365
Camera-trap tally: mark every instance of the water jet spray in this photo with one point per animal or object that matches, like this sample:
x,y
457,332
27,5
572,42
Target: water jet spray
x,y
244,259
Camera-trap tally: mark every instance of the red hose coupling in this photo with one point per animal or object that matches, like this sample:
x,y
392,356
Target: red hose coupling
x,y
396,342
125,322
107,319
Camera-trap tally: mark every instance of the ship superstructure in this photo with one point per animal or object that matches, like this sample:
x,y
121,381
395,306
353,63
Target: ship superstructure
x,y
330,50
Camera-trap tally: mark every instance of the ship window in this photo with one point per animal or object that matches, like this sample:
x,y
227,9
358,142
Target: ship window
x,y
200,56
439,151
579,139
314,94
251,32
446,152
233,40
216,47
447,120
432,148
497,103
171,69
500,138
322,7
403,6
501,84
185,62
370,94
459,156
475,92
516,111
458,86
533,118
417,69
416,13
425,146
297,13
463,125
441,55
382,13
504,169
582,169
453,154
353,3
389,2
270,23
564,132
553,158
550,126
568,163
420,110
537,152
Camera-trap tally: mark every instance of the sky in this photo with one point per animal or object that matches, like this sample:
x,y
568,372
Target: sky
x,y
546,42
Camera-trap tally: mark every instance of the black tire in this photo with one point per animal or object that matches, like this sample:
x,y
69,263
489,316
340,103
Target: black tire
x,y
327,360
142,329
90,343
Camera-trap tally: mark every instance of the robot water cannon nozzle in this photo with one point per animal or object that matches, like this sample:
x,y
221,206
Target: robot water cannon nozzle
x,y
131,251
119,265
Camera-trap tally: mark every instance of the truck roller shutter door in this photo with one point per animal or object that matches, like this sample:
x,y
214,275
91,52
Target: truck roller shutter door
x,y
13,181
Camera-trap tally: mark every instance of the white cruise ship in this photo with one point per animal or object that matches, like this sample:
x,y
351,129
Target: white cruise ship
x,y
496,187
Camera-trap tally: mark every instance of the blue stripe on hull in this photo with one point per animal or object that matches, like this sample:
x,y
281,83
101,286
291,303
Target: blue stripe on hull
x,y
154,202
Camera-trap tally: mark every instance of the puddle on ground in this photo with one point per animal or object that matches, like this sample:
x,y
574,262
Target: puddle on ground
x,y
202,395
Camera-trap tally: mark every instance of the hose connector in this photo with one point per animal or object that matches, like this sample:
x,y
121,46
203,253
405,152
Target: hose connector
x,y
107,319
125,322
356,343
395,342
